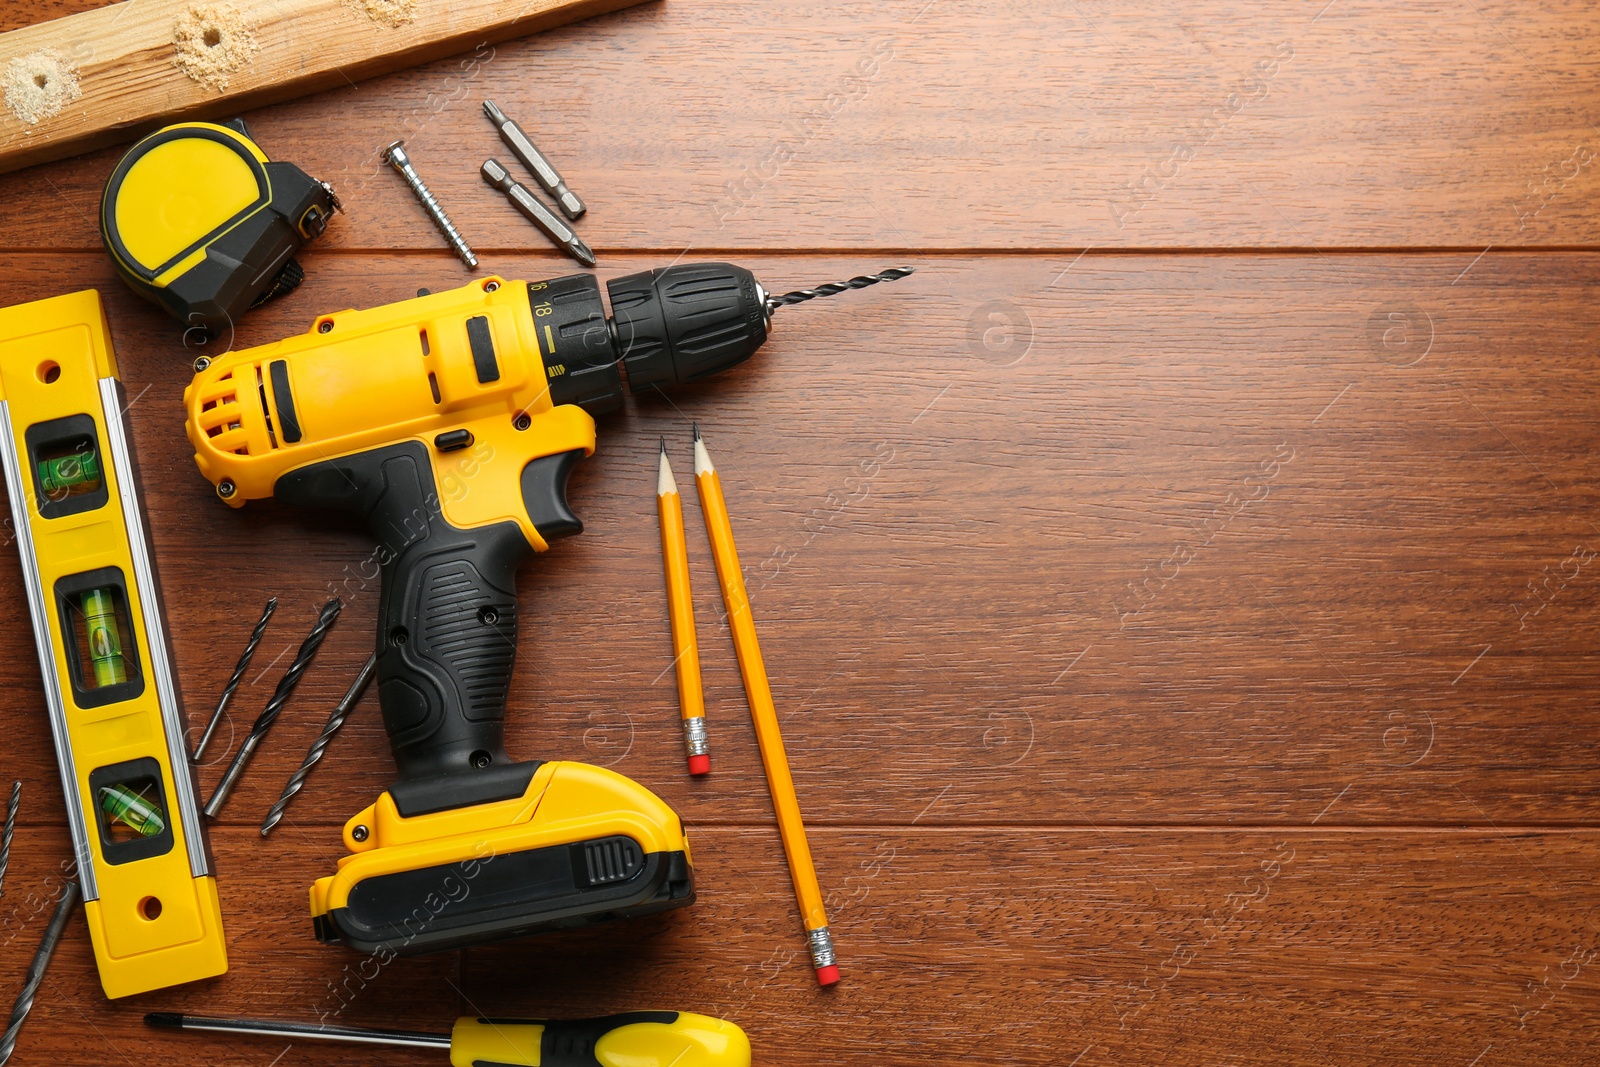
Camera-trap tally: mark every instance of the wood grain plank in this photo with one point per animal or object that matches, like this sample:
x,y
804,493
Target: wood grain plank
x,y
126,69
1204,551
973,125
994,946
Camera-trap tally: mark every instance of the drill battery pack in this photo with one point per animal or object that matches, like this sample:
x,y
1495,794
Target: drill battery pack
x,y
115,715
580,845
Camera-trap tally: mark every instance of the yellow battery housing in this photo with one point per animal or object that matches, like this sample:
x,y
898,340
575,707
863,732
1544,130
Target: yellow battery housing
x,y
115,711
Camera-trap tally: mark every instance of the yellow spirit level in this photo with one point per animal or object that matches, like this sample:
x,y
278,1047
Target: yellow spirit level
x,y
148,889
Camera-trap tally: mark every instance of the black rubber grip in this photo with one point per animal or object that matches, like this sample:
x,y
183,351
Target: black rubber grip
x,y
447,611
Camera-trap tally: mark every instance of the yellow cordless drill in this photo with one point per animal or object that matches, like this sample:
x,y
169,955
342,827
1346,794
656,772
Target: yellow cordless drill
x,y
450,423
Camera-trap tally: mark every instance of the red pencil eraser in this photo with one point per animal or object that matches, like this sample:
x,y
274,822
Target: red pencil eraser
x,y
828,975
699,765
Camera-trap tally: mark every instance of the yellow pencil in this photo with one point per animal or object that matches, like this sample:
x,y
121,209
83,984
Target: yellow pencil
x,y
759,693
685,649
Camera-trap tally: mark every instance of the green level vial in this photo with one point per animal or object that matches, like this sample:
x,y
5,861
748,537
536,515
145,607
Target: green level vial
x,y
126,806
64,475
105,640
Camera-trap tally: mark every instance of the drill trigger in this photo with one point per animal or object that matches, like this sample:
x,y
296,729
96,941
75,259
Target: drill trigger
x,y
544,494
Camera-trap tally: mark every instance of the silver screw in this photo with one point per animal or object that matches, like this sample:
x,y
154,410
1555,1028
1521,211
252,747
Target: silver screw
x,y
401,162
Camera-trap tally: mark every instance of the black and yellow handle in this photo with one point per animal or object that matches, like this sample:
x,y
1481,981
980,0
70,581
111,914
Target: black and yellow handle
x,y
632,1039
447,611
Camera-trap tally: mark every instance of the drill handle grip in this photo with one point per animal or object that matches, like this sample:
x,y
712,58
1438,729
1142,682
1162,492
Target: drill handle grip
x,y
447,615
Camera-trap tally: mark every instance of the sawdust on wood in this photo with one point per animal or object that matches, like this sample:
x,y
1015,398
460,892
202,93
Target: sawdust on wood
x,y
391,13
39,85
213,41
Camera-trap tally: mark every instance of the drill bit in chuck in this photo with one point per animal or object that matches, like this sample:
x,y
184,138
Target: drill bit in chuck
x,y
525,202
36,969
335,721
269,715
832,288
543,171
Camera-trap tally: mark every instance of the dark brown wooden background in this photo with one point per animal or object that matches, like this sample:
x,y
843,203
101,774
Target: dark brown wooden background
x,y
1179,594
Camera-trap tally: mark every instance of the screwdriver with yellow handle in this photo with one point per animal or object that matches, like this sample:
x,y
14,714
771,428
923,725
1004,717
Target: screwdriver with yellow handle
x,y
631,1039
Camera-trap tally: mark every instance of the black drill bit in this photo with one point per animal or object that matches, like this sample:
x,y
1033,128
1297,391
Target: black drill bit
x,y
36,969
335,720
11,828
800,296
233,682
269,715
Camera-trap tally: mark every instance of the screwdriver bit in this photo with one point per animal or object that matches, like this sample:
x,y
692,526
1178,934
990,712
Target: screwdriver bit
x,y
524,149
525,202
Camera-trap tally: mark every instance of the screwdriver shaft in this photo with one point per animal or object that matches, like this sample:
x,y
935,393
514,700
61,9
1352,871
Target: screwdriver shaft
x,y
270,1027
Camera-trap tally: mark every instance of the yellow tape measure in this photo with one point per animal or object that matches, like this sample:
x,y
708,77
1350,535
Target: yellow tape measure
x,y
199,220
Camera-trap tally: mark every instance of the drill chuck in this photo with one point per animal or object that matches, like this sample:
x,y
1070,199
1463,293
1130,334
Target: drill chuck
x,y
668,327
677,325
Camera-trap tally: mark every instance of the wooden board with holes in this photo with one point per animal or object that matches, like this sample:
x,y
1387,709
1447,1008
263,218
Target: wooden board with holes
x,y
104,75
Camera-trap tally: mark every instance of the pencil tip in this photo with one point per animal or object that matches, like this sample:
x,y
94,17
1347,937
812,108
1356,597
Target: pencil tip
x,y
697,431
663,444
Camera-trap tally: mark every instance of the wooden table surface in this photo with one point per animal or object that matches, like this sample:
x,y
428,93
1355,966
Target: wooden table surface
x,y
1179,594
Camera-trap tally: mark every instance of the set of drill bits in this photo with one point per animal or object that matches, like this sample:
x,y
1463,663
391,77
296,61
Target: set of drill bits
x,y
269,715
559,230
